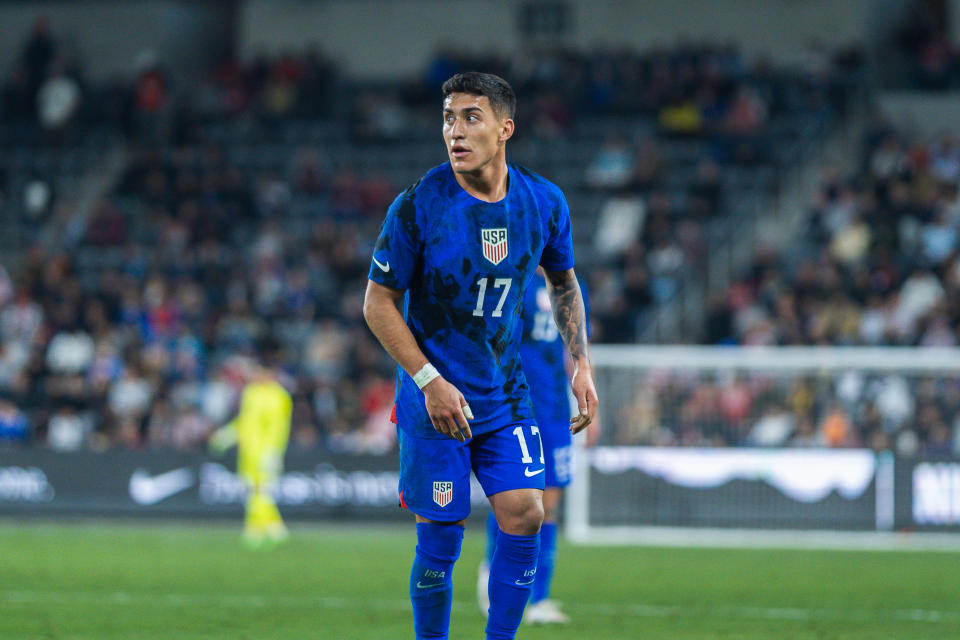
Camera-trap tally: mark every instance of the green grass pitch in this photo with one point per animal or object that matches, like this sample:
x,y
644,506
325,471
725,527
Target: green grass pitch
x,y
183,581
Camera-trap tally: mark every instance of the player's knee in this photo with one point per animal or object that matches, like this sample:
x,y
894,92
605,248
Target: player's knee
x,y
522,518
531,519
534,517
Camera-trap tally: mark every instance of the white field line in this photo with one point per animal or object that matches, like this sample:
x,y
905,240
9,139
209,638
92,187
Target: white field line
x,y
926,616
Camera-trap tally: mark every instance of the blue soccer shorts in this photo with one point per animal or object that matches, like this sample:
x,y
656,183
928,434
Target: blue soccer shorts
x,y
557,447
435,473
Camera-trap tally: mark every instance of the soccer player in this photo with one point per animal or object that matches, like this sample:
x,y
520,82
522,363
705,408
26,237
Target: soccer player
x,y
460,248
261,431
542,357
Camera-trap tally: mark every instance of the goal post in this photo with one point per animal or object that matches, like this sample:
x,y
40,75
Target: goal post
x,y
728,445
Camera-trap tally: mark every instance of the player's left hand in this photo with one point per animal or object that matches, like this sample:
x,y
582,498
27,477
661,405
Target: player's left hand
x,y
586,394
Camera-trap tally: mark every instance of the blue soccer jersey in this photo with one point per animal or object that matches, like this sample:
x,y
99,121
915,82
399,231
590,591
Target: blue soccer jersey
x,y
542,355
465,265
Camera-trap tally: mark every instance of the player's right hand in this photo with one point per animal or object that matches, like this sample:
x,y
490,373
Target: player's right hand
x,y
448,409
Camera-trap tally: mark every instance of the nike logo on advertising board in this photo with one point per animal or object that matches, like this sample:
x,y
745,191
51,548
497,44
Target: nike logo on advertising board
x,y
146,489
384,266
530,474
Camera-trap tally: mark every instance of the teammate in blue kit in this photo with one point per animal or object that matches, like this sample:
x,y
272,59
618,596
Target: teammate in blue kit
x,y
460,248
542,357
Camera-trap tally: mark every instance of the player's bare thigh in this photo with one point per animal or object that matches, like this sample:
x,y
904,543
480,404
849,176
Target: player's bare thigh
x,y
421,519
519,512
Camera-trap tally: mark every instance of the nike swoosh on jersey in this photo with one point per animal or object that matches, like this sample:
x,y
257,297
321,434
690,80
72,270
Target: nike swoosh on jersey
x,y
530,474
427,586
384,266
523,584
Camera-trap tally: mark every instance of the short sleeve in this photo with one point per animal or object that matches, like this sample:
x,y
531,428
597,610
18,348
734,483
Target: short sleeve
x,y
558,251
397,249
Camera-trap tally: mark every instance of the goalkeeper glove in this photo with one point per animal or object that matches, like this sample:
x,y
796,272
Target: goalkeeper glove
x,y
222,439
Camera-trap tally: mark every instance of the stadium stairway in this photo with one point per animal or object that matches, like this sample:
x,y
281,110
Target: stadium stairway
x,y
770,218
80,174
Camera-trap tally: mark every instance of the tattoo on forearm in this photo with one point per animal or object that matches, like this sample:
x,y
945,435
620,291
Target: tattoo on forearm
x,y
569,313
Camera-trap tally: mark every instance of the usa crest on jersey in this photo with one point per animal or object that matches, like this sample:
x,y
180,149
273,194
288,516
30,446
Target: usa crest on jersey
x,y
494,244
442,493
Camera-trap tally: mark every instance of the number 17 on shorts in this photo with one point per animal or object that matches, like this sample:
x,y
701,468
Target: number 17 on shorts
x,y
509,458
531,469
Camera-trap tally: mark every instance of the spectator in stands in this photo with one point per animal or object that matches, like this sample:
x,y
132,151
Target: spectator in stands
x,y
22,320
706,191
130,395
612,167
279,95
836,429
58,101
14,427
681,116
67,430
773,429
151,99
620,222
37,54
747,113
70,351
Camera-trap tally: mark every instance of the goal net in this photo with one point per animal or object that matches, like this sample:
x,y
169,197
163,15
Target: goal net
x,y
706,443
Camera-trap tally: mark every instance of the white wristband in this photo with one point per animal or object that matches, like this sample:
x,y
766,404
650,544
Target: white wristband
x,y
425,375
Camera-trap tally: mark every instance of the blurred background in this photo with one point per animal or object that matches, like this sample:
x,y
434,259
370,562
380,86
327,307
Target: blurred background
x,y
184,183
766,214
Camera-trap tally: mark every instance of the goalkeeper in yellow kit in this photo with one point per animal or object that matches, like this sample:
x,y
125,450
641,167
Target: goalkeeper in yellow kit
x,y
260,431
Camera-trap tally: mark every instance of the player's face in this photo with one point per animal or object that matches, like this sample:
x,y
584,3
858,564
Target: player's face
x,y
473,133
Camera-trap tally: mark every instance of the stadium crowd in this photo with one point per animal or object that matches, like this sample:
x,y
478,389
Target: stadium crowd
x,y
125,336
878,264
120,331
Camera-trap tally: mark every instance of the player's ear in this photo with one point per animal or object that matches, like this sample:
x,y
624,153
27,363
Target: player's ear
x,y
506,129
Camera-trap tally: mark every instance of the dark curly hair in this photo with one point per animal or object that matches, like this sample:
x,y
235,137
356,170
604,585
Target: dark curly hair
x,y
497,90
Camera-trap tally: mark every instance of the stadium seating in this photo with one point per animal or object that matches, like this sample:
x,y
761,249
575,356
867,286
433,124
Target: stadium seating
x,y
244,211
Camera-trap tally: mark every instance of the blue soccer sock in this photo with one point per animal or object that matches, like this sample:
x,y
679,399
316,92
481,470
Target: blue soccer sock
x,y
431,583
548,556
512,573
493,530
